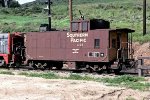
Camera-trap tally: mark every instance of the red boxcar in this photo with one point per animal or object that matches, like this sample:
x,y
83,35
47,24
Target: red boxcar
x,y
5,48
8,46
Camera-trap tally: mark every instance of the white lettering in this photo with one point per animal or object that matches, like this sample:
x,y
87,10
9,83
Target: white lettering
x,y
77,35
75,51
73,40
78,38
80,44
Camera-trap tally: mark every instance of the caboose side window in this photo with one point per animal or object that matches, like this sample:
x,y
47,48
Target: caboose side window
x,y
96,43
75,26
84,26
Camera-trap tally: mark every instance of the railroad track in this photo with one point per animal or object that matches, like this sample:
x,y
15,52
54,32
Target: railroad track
x,y
27,68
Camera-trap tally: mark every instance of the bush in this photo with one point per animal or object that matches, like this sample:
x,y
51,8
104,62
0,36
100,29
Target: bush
x,y
14,4
122,79
7,72
48,75
128,81
4,11
79,77
36,9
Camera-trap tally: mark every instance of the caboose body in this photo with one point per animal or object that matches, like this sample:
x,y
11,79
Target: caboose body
x,y
84,46
89,44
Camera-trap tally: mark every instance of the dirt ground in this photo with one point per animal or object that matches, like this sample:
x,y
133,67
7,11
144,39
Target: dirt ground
x,y
25,88
142,50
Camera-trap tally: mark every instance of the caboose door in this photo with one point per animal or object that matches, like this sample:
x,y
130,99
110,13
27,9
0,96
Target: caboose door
x,y
119,45
122,45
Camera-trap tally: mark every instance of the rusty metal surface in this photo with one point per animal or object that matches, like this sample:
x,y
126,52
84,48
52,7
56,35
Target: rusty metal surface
x,y
73,46
65,46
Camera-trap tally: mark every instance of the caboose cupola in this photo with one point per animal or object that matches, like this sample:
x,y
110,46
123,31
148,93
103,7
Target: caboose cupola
x,y
79,26
99,24
85,25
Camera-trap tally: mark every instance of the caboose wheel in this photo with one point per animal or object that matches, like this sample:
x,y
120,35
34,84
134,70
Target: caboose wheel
x,y
108,70
2,63
8,66
59,67
32,65
18,65
89,70
117,71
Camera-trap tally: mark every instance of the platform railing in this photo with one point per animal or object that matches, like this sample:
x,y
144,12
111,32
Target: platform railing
x,y
141,66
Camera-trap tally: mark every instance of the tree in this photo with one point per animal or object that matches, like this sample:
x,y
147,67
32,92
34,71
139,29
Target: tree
x,y
2,3
14,4
9,3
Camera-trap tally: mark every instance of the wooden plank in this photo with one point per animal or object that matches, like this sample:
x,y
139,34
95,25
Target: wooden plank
x,y
141,65
140,61
141,69
143,57
140,72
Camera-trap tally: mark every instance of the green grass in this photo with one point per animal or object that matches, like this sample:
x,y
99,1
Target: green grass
x,y
20,23
133,82
122,14
130,98
123,79
7,72
48,75
64,2
79,77
24,73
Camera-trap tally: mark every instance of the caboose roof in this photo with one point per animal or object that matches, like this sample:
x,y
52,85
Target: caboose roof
x,y
123,30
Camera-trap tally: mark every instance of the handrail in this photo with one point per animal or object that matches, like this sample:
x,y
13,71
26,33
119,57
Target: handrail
x,y
141,65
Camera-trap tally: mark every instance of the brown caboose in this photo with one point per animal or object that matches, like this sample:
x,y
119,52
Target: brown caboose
x,y
90,45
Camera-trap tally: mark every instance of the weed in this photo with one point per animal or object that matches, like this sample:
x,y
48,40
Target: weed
x,y
7,72
128,81
123,79
130,98
23,73
79,77
138,85
48,75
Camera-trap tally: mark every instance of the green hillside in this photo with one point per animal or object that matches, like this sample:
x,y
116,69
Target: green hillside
x,y
121,13
76,2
